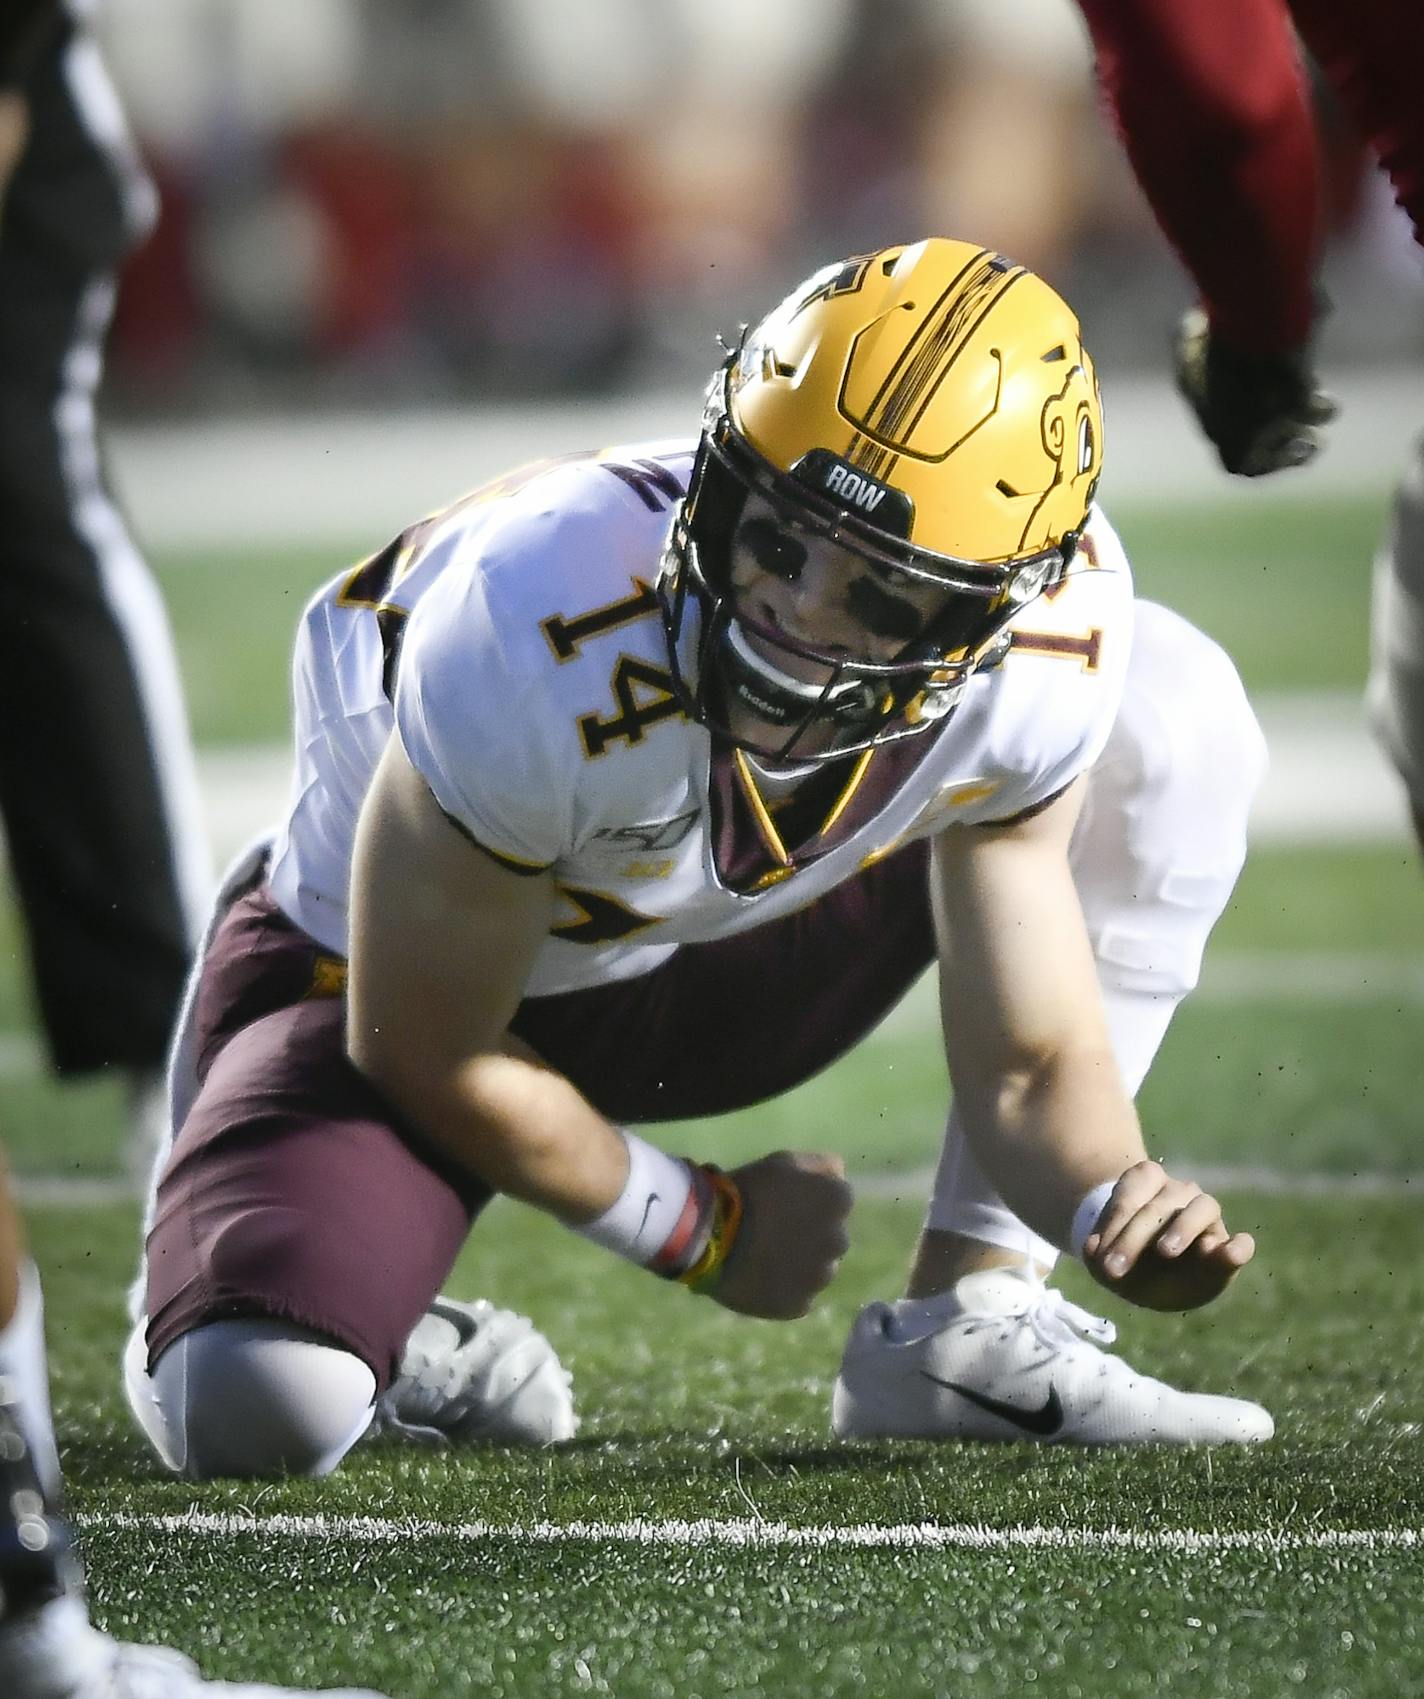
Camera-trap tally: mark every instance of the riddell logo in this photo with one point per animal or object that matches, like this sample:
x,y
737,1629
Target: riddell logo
x,y
854,489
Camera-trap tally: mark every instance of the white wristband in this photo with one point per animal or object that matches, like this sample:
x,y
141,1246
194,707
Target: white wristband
x,y
641,1220
1085,1217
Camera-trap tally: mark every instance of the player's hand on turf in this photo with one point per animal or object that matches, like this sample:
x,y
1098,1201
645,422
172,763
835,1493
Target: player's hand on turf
x,y
1262,412
1162,1243
793,1234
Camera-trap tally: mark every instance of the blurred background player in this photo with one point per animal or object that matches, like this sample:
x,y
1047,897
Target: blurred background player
x,y
97,788
1214,106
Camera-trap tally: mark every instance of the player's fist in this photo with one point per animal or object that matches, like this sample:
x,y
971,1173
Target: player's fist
x,y
793,1234
1161,1243
1262,412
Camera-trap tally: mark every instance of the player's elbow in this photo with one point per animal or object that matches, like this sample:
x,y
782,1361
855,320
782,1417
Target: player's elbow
x,y
412,1084
1253,119
376,1054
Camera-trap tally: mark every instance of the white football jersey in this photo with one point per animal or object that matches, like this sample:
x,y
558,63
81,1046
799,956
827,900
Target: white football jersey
x,y
515,644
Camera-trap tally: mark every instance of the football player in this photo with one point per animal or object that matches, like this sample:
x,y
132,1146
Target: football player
x,y
48,1647
640,786
1215,112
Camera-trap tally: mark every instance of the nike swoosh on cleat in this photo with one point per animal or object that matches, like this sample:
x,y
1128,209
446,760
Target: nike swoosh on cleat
x,y
466,1327
1046,1421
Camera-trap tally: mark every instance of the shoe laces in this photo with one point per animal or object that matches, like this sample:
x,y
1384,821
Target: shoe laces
x,y
1059,1323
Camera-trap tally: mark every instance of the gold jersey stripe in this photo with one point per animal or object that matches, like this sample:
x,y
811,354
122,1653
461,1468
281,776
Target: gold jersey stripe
x,y
526,869
852,785
760,813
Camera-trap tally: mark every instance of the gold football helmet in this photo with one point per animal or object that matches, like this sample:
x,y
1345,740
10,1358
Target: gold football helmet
x,y
931,410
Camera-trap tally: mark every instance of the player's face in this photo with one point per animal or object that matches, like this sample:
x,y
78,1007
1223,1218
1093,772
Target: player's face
x,y
806,588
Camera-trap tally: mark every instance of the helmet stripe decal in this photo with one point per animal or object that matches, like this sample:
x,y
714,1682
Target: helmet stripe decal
x,y
864,451
910,387
926,395
942,337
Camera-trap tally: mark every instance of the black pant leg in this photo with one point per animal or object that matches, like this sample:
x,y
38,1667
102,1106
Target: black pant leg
x,y
96,787
90,824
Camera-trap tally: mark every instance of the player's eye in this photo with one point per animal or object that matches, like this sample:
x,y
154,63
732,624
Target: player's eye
x,y
883,614
774,550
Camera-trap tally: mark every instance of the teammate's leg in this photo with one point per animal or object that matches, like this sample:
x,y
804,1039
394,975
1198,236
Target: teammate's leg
x,y
22,1361
46,1644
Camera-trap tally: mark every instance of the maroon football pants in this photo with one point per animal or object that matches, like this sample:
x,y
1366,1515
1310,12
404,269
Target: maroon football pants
x,y
293,1190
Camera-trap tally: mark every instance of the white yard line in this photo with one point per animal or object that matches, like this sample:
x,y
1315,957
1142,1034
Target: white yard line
x,y
20,1056
760,1535
1294,978
916,1183
1309,976
66,1191
1327,781
1304,978
73,1191
1319,978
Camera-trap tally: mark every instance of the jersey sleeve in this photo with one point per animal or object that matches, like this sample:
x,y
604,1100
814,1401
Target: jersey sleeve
x,y
473,716
1057,693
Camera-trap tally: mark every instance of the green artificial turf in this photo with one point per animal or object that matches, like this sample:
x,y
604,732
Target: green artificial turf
x,y
693,1414
1299,1054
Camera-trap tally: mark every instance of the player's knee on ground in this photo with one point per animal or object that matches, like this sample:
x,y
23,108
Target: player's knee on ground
x,y
1163,834
256,1397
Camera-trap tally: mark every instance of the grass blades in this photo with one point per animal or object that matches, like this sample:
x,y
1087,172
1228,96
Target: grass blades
x,y
694,1414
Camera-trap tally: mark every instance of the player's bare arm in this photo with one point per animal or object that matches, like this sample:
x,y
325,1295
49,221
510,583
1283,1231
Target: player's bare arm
x,y
442,937
1034,1072
438,964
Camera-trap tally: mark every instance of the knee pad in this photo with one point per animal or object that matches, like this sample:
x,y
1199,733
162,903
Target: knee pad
x,y
252,1397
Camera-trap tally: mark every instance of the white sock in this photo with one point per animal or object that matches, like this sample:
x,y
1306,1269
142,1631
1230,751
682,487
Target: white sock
x,y
22,1366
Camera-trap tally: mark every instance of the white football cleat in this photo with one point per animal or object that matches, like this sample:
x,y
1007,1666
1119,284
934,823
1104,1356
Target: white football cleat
x,y
54,1653
1003,1357
472,1373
